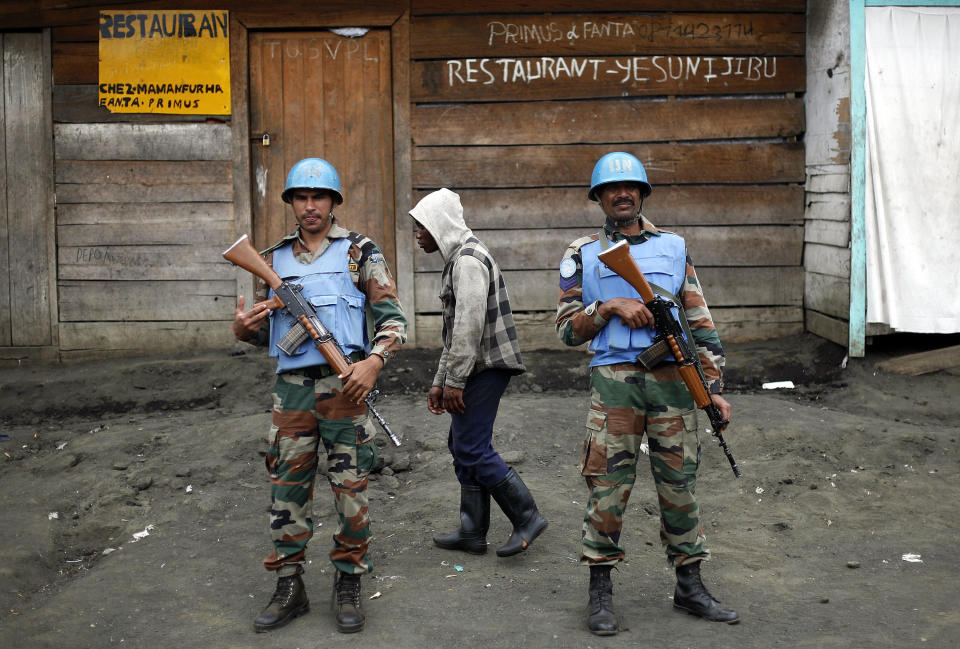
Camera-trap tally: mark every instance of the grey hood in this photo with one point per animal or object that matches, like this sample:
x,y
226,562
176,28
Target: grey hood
x,y
441,213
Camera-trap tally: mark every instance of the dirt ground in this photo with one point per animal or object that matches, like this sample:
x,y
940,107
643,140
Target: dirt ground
x,y
133,499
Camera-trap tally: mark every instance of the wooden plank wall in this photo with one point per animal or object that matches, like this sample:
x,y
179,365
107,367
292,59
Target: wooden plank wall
x,y
28,310
510,107
828,151
144,207
6,311
511,110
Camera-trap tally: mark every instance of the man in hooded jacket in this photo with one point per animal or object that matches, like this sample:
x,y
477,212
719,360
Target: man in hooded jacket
x,y
480,354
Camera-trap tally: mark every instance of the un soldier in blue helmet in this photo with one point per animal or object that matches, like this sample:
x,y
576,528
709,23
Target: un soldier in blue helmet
x,y
318,415
628,400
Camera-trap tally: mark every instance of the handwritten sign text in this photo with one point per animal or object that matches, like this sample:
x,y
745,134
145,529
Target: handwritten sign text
x,y
630,69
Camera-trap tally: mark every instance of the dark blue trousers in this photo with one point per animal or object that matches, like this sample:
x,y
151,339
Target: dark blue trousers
x,y
475,461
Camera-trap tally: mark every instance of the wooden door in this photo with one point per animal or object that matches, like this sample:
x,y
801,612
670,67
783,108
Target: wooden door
x,y
28,310
318,94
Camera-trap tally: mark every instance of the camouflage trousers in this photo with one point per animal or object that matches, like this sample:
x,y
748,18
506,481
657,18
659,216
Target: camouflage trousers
x,y
308,413
627,401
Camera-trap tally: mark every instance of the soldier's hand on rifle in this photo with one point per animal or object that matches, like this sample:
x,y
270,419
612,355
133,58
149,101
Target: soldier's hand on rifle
x,y
722,405
453,400
360,377
435,400
246,324
633,312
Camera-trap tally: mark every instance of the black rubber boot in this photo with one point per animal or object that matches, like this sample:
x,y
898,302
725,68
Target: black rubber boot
x,y
601,620
289,601
471,536
694,598
346,602
515,500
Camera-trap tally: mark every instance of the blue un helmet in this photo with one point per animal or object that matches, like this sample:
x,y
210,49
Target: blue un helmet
x,y
313,173
618,167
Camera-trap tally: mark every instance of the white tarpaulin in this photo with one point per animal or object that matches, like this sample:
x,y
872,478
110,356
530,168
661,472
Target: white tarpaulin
x,y
913,168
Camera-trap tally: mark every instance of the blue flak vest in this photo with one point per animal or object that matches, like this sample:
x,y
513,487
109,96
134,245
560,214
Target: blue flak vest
x,y
339,304
663,261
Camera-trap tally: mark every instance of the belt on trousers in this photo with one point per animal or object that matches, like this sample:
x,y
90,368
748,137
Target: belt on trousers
x,y
323,371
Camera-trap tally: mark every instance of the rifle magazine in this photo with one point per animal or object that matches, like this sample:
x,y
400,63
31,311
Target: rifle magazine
x,y
654,354
293,339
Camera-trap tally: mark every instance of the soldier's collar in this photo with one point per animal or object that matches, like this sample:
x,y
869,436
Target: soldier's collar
x,y
335,232
647,230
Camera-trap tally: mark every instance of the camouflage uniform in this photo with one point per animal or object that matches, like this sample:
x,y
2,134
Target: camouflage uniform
x,y
309,410
628,401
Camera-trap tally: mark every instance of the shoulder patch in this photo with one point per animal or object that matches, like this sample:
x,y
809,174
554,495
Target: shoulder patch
x,y
568,268
582,241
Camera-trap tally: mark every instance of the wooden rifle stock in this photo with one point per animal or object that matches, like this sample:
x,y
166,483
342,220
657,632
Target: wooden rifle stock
x,y
618,258
243,254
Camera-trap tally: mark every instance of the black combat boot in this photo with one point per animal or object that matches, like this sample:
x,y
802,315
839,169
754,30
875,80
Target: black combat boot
x,y
474,522
289,601
346,602
601,620
516,502
694,598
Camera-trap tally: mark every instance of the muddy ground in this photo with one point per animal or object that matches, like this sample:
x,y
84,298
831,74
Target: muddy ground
x,y
133,504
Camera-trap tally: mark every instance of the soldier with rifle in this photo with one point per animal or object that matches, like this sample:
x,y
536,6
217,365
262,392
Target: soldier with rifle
x,y
326,369
655,360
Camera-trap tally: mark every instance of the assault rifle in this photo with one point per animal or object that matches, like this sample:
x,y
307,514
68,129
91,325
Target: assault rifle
x,y
669,335
288,296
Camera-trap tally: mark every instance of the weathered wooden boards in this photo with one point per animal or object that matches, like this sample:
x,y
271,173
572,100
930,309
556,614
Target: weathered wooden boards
x,y
27,270
726,287
568,207
923,362
590,121
425,7
581,34
737,246
509,107
666,164
512,107
565,56
143,212
336,105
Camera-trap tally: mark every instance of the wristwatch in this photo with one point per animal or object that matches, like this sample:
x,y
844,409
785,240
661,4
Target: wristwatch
x,y
592,309
384,354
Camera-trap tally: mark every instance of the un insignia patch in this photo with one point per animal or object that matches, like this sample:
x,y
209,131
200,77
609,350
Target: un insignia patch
x,y
568,268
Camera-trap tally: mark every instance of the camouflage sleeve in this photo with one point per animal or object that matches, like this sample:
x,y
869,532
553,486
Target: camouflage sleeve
x,y
376,282
574,325
704,332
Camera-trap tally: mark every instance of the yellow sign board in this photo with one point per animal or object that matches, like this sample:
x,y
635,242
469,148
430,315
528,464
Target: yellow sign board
x,y
165,62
